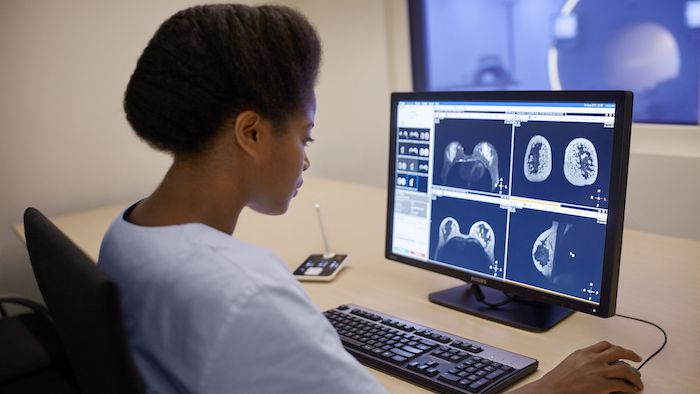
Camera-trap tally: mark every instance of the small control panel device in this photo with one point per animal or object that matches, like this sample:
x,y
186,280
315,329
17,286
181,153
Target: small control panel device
x,y
317,267
321,267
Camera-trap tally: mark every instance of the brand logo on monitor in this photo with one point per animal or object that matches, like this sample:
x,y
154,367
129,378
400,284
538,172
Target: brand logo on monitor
x,y
478,280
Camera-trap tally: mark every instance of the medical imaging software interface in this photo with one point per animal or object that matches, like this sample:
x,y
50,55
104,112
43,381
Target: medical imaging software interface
x,y
515,191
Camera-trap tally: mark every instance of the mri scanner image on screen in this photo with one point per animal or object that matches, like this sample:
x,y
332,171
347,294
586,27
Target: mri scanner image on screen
x,y
650,47
478,170
538,159
468,234
580,162
452,243
562,162
544,247
553,251
472,154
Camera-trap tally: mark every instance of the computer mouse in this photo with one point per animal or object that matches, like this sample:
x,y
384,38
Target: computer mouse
x,y
635,370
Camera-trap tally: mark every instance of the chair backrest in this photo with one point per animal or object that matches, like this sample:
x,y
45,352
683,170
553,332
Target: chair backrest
x,y
86,308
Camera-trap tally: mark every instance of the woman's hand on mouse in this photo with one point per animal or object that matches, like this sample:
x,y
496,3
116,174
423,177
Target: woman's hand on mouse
x,y
591,370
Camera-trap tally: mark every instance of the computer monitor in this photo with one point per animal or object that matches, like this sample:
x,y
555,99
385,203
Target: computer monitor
x,y
520,194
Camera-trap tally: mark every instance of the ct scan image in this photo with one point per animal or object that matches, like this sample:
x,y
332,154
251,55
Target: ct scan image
x,y
563,162
472,154
468,234
556,252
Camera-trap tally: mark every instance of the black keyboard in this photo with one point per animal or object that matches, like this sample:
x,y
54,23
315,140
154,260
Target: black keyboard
x,y
436,360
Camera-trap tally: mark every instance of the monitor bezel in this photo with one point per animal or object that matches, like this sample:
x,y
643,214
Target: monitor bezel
x,y
616,201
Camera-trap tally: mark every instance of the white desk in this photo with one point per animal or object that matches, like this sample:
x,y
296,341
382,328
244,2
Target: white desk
x,y
659,281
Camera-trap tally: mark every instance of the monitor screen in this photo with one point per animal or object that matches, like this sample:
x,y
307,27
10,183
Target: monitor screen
x,y
519,191
647,46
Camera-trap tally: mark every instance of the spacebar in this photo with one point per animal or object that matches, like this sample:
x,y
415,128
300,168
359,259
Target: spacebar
x,y
351,342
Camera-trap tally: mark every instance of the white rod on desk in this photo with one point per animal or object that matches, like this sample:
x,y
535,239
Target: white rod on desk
x,y
328,254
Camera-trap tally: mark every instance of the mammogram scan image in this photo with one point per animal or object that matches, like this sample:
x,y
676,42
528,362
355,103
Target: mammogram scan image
x,y
476,247
479,170
538,159
564,162
581,162
468,234
554,251
544,248
472,154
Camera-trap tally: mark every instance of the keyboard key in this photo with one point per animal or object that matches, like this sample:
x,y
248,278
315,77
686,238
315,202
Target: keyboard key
x,y
495,374
428,343
412,349
449,378
431,371
399,359
443,339
478,385
474,349
403,353
387,354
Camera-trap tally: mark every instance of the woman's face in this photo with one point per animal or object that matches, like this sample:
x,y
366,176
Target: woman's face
x,y
283,161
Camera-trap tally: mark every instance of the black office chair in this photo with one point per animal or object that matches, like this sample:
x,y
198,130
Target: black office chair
x,y
86,308
32,358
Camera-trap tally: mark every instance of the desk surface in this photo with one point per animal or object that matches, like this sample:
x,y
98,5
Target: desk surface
x,y
659,279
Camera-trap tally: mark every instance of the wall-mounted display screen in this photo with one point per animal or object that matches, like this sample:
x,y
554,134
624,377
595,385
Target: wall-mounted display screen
x,y
650,47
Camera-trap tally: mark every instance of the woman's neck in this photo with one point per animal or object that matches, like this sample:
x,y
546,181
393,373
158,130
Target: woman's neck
x,y
193,191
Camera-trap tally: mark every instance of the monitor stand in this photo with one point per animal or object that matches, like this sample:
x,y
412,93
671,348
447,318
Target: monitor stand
x,y
519,313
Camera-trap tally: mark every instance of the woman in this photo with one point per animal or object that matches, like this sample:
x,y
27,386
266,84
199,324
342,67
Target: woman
x,y
228,91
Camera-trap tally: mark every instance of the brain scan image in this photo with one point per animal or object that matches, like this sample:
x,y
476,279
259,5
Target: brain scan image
x,y
581,162
477,171
475,247
538,159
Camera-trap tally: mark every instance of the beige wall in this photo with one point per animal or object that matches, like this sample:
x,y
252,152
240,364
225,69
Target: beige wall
x,y
65,145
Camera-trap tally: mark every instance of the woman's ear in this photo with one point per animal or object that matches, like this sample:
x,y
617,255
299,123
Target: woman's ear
x,y
246,131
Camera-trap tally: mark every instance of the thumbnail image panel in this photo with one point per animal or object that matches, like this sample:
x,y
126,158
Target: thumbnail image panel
x,y
564,162
468,234
557,252
472,154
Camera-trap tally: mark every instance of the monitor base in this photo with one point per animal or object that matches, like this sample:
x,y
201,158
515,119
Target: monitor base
x,y
519,313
